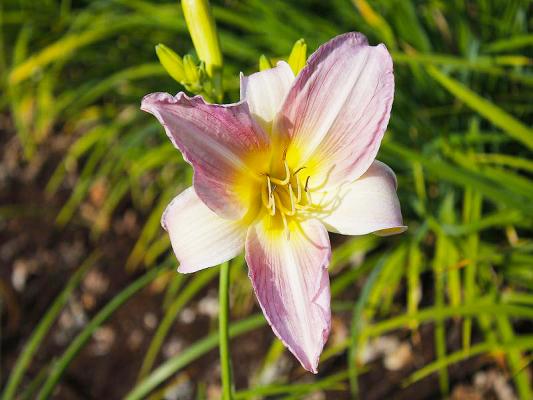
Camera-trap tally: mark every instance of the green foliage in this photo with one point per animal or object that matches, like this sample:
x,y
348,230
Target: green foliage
x,y
459,139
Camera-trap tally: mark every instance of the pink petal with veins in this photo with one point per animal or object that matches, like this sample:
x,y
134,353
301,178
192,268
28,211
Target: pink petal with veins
x,y
291,282
220,142
337,110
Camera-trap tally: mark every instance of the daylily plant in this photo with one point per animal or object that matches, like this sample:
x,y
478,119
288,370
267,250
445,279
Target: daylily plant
x,y
293,159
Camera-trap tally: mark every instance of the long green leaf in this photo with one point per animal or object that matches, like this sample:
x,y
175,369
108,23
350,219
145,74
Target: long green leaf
x,y
170,367
485,108
43,327
83,337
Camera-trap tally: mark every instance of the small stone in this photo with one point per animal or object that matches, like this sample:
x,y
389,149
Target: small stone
x,y
187,316
172,348
378,347
135,339
20,275
463,392
104,337
208,306
150,320
88,301
399,357
95,282
182,390
493,381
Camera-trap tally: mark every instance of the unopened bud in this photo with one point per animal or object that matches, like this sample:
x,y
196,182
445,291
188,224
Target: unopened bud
x,y
264,63
171,62
203,32
192,74
298,56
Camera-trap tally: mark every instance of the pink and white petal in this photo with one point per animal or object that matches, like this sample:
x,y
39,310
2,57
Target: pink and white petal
x,y
367,205
291,282
223,143
199,237
337,110
265,91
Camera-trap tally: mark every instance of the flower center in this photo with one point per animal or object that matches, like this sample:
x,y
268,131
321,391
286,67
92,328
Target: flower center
x,y
284,197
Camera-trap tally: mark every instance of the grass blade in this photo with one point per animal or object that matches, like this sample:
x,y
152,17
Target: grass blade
x,y
43,327
83,337
485,108
190,290
141,390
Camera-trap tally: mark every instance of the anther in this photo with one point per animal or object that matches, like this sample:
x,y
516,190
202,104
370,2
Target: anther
x,y
299,169
306,187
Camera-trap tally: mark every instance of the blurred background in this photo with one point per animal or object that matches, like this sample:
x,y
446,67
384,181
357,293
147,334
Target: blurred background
x,y
91,304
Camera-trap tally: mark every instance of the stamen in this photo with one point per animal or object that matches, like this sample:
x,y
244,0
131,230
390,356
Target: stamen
x,y
299,169
274,194
269,186
273,211
299,192
307,192
287,176
265,197
291,195
309,200
284,210
271,203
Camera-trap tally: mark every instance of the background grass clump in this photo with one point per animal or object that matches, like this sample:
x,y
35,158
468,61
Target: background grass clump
x,y
88,280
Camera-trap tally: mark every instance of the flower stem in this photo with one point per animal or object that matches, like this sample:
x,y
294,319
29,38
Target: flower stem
x,y
225,361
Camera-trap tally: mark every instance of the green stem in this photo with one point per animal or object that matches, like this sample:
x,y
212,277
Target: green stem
x,y
225,361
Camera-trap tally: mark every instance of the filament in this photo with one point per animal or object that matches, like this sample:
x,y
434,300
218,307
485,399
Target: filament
x,y
286,195
287,176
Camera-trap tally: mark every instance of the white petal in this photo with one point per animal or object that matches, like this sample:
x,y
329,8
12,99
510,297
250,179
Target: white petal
x,y
265,91
369,204
199,237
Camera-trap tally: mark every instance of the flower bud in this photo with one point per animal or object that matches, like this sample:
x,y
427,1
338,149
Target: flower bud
x,y
192,73
264,63
203,32
298,56
171,62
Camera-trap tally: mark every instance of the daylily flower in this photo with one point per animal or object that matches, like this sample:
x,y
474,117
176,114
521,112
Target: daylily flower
x,y
273,173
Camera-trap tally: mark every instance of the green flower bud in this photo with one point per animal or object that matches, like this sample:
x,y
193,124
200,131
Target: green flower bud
x,y
298,56
171,62
192,73
203,32
264,63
